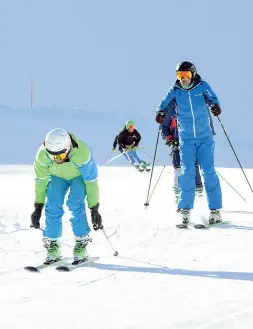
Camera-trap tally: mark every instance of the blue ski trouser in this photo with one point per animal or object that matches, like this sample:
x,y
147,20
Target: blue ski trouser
x,y
177,164
132,157
56,192
201,151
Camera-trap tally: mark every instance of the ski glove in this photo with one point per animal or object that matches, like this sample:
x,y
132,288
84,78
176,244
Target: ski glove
x,y
96,218
160,116
170,141
35,217
215,109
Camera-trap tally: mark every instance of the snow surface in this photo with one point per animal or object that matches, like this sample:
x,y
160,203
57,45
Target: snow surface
x,y
162,278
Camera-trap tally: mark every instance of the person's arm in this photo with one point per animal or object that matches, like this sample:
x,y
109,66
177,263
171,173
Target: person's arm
x,y
41,168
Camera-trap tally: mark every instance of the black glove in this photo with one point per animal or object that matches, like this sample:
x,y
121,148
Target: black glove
x,y
96,218
215,109
35,217
160,116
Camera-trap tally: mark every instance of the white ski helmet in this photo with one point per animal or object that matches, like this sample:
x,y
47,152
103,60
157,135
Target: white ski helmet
x,y
57,141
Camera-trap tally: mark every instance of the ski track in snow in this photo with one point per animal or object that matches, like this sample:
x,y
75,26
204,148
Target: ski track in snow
x,y
162,278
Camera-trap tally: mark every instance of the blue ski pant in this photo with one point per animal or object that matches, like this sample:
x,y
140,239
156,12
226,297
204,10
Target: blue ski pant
x,y
56,192
201,151
132,157
177,164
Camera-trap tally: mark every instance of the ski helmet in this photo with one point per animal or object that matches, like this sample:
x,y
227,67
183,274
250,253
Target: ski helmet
x,y
187,66
130,123
57,141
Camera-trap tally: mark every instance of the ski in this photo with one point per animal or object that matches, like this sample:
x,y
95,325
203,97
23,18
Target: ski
x,y
72,266
182,226
40,267
202,226
199,226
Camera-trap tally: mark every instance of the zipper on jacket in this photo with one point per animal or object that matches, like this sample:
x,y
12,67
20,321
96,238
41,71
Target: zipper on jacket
x,y
193,117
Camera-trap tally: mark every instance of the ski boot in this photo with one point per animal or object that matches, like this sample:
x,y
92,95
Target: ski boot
x,y
214,217
185,216
176,193
138,168
199,192
144,165
80,253
53,251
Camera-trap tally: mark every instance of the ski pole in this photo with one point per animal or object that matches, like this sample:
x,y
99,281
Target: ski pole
x,y
235,153
156,183
114,158
157,140
103,162
231,186
115,252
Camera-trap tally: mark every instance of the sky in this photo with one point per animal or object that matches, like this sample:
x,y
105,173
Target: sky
x,y
117,59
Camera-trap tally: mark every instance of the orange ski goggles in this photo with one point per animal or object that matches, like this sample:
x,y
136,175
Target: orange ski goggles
x,y
130,127
61,156
184,74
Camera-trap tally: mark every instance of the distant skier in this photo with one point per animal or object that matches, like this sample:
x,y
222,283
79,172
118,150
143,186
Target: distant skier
x,y
170,134
63,163
189,100
128,140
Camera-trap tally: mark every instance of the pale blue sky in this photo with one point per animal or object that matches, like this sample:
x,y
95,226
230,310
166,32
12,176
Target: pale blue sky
x,y
118,57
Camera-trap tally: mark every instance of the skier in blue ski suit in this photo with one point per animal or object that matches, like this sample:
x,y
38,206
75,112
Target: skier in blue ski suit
x,y
189,100
169,133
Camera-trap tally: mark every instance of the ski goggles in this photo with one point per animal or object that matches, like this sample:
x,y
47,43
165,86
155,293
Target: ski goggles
x,y
131,127
59,156
184,74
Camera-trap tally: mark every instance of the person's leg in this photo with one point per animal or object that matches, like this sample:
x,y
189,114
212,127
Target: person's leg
x,y
186,180
205,157
78,218
136,157
128,155
76,207
198,180
56,191
177,170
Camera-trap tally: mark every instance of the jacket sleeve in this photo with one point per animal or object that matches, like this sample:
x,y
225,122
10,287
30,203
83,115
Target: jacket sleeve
x,y
138,135
115,142
209,94
120,139
41,168
169,98
166,126
84,161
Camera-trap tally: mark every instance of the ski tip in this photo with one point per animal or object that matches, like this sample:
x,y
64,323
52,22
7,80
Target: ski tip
x,y
62,269
31,269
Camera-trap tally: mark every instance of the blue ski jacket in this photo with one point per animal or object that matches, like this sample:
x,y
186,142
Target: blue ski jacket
x,y
191,108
